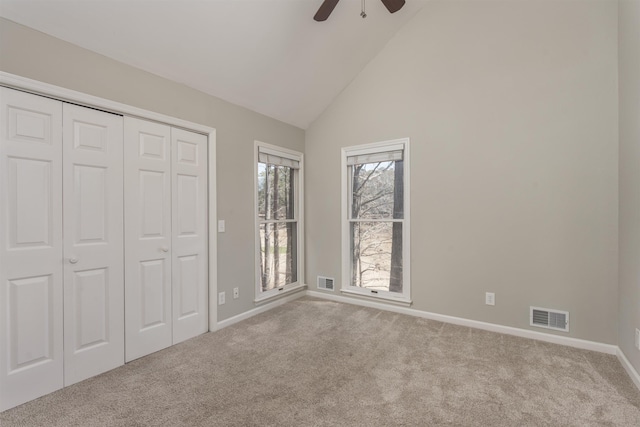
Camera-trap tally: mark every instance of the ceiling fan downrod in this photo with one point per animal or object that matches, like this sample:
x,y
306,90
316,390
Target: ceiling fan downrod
x,y
327,7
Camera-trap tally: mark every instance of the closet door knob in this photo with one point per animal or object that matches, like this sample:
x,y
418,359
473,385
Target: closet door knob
x,y
165,249
73,260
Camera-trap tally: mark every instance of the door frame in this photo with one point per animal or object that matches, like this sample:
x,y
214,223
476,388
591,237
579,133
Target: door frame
x,y
63,94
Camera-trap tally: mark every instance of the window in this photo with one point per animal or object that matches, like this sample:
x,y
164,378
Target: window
x,y
278,214
375,212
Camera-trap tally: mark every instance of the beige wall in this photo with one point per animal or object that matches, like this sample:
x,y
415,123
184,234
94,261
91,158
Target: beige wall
x,y
512,112
629,72
31,54
511,107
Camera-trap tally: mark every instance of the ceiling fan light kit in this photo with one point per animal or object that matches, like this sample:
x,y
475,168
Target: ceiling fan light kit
x,y
327,7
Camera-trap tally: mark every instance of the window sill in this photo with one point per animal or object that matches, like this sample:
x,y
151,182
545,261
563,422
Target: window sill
x,y
275,295
406,302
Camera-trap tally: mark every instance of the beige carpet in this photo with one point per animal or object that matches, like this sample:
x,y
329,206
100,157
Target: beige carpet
x,y
317,363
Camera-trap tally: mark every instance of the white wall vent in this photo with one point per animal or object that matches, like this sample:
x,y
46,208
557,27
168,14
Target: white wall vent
x,y
325,283
549,319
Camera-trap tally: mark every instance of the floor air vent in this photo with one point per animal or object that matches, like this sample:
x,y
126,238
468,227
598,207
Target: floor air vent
x,y
325,283
549,319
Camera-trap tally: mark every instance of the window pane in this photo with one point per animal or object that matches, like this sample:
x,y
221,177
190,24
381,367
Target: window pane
x,y
278,255
376,255
377,190
275,192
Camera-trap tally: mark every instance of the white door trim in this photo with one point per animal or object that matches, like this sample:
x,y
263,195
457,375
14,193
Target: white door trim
x,y
64,94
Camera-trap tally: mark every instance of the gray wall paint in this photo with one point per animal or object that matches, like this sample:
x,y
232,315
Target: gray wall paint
x,y
513,120
629,57
511,108
32,54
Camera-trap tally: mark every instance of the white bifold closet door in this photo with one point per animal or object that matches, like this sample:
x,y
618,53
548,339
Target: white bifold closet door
x,y
31,347
165,236
189,256
61,245
93,242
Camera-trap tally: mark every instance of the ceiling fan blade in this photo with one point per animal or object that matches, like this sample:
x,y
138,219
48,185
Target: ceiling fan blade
x,y
393,5
326,8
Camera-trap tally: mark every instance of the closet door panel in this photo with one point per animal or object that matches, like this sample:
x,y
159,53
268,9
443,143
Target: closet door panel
x,y
189,247
93,243
147,237
31,279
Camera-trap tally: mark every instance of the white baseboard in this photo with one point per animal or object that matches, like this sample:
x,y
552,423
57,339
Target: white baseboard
x,y
261,309
635,377
524,333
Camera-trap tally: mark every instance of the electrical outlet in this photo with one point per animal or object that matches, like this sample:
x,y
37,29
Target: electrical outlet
x,y
490,298
638,338
236,293
221,298
221,226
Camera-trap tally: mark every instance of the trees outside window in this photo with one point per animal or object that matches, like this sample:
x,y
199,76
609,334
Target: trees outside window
x,y
376,239
277,206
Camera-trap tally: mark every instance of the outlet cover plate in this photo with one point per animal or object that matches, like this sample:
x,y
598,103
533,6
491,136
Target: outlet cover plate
x,y
221,298
490,298
638,338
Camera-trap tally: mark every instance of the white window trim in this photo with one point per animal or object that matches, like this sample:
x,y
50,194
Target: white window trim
x,y
346,288
260,296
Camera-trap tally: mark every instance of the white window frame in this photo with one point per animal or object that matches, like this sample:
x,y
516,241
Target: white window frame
x,y
298,210
365,150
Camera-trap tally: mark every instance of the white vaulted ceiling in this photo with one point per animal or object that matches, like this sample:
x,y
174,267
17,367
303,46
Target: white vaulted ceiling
x,y
266,55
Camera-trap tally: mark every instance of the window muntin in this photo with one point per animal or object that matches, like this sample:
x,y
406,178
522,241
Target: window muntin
x,y
277,209
376,241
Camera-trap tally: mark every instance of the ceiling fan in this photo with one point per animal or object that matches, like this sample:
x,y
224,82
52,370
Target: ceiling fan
x,y
328,5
